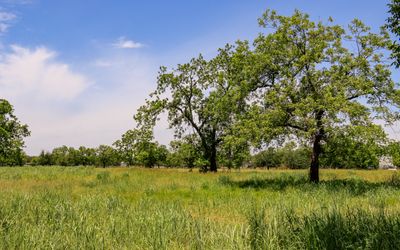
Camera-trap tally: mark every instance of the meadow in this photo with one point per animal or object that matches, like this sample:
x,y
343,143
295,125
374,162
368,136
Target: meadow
x,y
136,208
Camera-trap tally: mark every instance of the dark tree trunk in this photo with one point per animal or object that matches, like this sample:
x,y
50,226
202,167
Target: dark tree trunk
x,y
316,149
314,168
213,158
209,145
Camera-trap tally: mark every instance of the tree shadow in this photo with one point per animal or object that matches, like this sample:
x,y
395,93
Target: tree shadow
x,y
354,186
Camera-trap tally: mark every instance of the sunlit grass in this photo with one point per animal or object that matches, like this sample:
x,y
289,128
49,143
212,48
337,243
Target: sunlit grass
x,y
134,208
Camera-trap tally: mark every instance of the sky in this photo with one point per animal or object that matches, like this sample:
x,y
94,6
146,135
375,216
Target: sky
x,y
76,71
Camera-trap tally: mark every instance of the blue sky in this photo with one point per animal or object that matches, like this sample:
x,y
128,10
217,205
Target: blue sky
x,y
77,70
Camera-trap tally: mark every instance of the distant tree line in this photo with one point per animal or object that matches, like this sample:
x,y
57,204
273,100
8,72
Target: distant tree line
x,y
344,153
353,147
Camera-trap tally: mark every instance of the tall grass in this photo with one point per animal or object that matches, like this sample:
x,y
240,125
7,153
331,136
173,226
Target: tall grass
x,y
87,208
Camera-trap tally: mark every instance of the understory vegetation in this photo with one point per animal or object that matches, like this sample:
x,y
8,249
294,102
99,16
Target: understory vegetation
x,y
137,208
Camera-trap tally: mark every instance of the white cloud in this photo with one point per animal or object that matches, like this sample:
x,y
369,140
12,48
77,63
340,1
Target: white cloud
x,y
62,108
100,114
35,74
123,43
5,20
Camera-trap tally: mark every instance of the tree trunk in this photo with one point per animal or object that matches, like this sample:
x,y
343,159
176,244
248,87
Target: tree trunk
x,y
210,151
314,168
316,149
213,158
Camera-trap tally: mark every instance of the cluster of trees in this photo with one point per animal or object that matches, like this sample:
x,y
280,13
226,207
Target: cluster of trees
x,y
68,156
318,85
315,83
102,156
135,148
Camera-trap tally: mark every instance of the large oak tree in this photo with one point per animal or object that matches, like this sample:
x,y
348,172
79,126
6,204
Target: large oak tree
x,y
312,79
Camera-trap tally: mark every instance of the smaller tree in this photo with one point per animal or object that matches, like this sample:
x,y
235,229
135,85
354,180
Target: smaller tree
x,y
106,156
131,143
136,147
294,156
12,134
184,152
161,155
44,159
234,151
60,156
268,158
87,156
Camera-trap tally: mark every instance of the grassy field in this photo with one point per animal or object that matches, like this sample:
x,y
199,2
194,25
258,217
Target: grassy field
x,y
131,208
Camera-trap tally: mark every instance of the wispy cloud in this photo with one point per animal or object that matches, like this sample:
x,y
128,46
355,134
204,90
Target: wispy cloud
x,y
16,2
6,19
123,43
6,16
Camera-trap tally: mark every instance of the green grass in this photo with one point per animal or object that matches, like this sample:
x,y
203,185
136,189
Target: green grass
x,y
131,208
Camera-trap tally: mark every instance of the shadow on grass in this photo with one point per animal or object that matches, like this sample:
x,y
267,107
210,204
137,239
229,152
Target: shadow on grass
x,y
353,186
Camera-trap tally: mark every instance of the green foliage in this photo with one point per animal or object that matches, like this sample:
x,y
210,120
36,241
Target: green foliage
x,y
234,151
137,148
309,82
86,156
184,152
294,157
69,156
354,147
148,155
394,151
132,143
12,133
289,156
268,158
199,96
106,156
393,24
44,159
